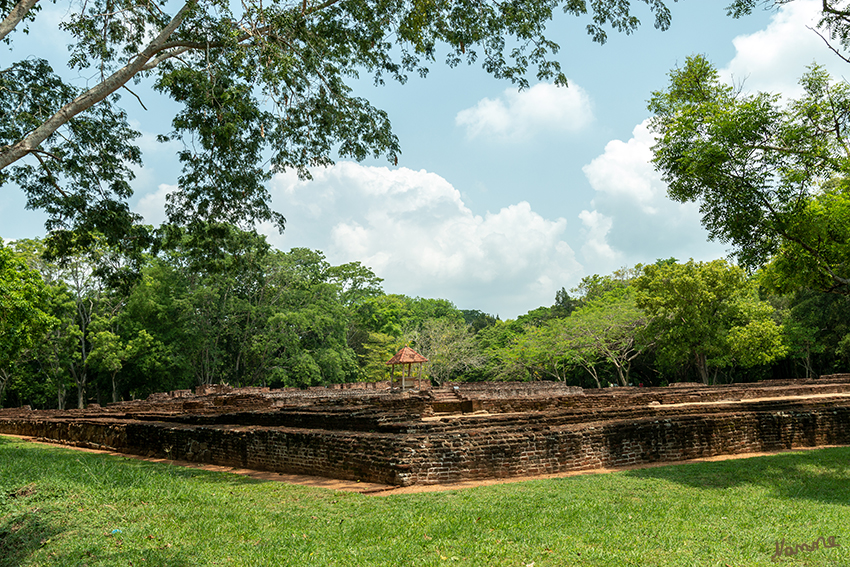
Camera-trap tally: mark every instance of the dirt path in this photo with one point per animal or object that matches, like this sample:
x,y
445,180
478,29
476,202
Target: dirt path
x,y
385,489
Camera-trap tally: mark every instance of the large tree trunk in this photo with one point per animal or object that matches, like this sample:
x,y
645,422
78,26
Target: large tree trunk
x,y
623,378
115,388
81,395
5,375
702,367
80,381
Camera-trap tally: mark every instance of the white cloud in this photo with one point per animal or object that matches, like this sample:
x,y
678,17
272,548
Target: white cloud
x,y
773,59
596,247
152,205
520,114
625,171
413,229
632,219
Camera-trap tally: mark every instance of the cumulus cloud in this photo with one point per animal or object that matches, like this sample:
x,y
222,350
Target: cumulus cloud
x,y
152,205
413,229
624,171
520,114
773,59
596,247
632,219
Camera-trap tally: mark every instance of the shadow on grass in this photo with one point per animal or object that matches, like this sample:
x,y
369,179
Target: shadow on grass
x,y
21,535
158,558
821,475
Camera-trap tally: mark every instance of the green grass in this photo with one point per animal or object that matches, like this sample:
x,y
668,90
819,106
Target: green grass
x,y
60,507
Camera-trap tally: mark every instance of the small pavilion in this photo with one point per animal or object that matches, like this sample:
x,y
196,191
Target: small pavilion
x,y
406,356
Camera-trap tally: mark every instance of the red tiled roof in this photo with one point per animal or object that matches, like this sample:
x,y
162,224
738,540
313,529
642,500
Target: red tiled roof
x,y
407,355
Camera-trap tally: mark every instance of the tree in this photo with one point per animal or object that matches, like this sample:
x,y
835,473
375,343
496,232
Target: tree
x,y
478,320
374,352
595,286
814,324
706,314
606,330
496,343
226,308
609,328
769,178
564,304
110,351
262,88
820,258
449,347
23,321
542,351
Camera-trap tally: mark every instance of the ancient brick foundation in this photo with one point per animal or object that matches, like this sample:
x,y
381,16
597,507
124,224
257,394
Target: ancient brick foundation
x,y
461,432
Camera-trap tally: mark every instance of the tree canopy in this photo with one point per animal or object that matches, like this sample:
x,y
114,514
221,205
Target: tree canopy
x,y
262,87
706,314
770,178
23,319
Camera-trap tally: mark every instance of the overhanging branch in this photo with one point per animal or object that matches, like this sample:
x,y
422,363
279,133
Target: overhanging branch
x,y
11,154
18,13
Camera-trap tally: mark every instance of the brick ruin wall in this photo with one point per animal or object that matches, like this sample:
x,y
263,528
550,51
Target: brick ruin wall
x,y
507,430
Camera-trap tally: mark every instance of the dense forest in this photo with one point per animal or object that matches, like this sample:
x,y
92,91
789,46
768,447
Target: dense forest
x,y
231,309
107,309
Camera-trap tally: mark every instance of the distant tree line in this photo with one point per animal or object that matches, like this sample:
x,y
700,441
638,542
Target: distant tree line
x,y
228,308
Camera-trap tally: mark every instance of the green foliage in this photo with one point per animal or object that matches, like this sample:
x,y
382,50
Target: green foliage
x,y
757,169
110,352
824,229
395,314
542,351
377,349
248,315
595,286
220,305
814,325
756,343
80,175
706,314
609,328
60,507
449,347
497,344
23,320
477,319
605,330
535,317
261,88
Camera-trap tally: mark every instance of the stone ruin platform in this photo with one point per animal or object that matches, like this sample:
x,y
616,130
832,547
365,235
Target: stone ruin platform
x,y
457,433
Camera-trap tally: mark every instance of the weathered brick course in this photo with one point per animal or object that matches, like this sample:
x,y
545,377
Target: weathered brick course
x,y
473,432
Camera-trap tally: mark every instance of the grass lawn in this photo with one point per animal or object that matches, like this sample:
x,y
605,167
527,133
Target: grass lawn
x,y
65,507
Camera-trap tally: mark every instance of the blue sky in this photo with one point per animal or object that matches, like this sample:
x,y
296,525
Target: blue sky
x,y
500,197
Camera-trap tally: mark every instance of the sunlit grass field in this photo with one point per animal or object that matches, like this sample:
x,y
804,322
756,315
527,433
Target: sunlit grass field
x,y
65,507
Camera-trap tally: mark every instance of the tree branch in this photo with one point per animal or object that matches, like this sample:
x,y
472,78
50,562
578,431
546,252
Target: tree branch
x,y
11,154
17,14
135,95
829,45
162,56
827,9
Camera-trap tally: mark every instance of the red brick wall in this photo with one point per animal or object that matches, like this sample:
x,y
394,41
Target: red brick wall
x,y
462,447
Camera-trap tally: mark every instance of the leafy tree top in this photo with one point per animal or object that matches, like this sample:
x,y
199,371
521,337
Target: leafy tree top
x,y
262,87
768,176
